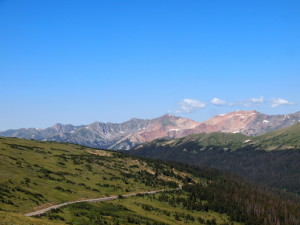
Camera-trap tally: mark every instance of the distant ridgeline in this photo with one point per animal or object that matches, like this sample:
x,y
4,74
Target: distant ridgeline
x,y
36,175
272,158
124,136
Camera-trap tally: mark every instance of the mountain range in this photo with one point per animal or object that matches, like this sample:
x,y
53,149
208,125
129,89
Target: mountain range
x,y
124,136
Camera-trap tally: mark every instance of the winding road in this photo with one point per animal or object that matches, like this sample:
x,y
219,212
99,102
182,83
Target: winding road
x,y
103,199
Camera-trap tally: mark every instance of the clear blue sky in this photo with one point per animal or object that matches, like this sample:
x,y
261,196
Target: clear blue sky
x,y
83,61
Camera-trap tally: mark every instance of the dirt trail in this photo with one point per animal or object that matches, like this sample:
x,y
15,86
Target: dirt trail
x,y
103,199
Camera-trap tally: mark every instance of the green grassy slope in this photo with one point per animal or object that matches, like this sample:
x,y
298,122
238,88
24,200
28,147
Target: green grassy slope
x,y
155,209
36,174
202,141
7,218
282,139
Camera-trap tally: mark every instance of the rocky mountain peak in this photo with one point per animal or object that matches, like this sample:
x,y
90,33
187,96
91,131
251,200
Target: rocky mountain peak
x,y
57,127
169,116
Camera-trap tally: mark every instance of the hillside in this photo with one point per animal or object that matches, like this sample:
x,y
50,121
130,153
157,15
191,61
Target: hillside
x,y
7,218
281,139
223,200
157,209
36,175
200,142
124,136
250,157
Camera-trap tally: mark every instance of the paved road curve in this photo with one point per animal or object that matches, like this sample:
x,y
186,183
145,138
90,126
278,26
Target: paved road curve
x,y
103,199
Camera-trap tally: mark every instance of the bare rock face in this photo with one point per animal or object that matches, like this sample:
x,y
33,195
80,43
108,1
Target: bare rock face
x,y
136,131
250,123
266,123
233,122
165,126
